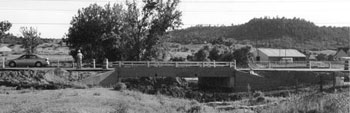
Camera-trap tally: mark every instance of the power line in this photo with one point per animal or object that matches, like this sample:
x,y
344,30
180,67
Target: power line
x,y
190,11
205,24
190,1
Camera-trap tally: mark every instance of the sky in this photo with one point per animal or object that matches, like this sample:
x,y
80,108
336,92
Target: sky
x,y
52,17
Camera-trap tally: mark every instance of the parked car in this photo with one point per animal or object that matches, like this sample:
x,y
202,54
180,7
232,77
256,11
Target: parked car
x,y
29,60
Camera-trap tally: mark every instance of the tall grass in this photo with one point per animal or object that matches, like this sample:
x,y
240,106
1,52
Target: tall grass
x,y
313,103
96,100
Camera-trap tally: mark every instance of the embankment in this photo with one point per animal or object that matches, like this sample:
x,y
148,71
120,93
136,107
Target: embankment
x,y
43,78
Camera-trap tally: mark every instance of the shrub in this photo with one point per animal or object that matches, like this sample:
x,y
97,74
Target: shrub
x,y
119,86
97,94
258,94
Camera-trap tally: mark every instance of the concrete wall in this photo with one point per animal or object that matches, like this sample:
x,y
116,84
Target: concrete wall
x,y
217,77
175,72
268,80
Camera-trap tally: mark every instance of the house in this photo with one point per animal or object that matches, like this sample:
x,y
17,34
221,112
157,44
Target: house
x,y
4,50
268,54
342,52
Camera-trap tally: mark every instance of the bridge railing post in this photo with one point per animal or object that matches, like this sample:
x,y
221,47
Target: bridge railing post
x,y
309,64
234,64
214,64
105,64
94,63
3,62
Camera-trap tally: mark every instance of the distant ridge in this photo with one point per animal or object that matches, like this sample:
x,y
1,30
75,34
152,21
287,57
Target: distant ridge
x,y
269,32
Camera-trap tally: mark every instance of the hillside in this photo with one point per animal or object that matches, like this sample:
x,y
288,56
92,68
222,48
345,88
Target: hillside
x,y
268,32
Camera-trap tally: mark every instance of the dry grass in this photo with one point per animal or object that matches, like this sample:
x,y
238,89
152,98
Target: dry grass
x,y
313,103
95,100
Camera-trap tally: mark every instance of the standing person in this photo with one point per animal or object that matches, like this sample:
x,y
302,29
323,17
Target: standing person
x,y
79,59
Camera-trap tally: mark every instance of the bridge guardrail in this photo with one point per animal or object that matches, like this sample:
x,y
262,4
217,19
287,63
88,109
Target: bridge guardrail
x,y
299,64
172,64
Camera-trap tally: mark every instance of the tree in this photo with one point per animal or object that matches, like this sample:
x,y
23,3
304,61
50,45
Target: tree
x,y
119,33
242,56
202,54
31,39
4,26
322,57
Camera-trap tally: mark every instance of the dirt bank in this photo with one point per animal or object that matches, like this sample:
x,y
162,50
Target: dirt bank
x,y
42,79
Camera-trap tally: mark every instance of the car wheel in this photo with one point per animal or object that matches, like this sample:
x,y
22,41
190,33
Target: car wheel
x,y
38,64
12,64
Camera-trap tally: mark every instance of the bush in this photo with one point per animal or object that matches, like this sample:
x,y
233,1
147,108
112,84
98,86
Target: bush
x,y
177,59
258,94
120,86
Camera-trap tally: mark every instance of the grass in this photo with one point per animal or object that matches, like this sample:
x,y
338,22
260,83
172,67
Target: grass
x,y
95,100
103,100
313,103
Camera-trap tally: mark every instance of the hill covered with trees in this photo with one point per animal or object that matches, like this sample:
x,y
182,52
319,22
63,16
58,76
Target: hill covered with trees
x,y
268,32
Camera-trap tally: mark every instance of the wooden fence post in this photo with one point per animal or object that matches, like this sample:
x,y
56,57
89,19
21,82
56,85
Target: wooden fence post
x,y
120,63
147,63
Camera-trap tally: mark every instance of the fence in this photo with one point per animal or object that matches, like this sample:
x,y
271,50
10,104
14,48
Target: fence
x,y
299,64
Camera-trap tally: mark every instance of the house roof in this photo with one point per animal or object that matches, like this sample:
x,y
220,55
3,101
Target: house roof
x,y
345,49
281,52
5,49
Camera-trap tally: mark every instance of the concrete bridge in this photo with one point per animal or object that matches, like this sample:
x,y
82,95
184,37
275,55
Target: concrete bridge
x,y
220,74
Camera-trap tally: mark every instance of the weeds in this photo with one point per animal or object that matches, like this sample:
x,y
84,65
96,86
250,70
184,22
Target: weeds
x,y
313,103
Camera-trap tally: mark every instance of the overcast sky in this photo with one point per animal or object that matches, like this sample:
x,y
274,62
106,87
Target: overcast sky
x,y
52,17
